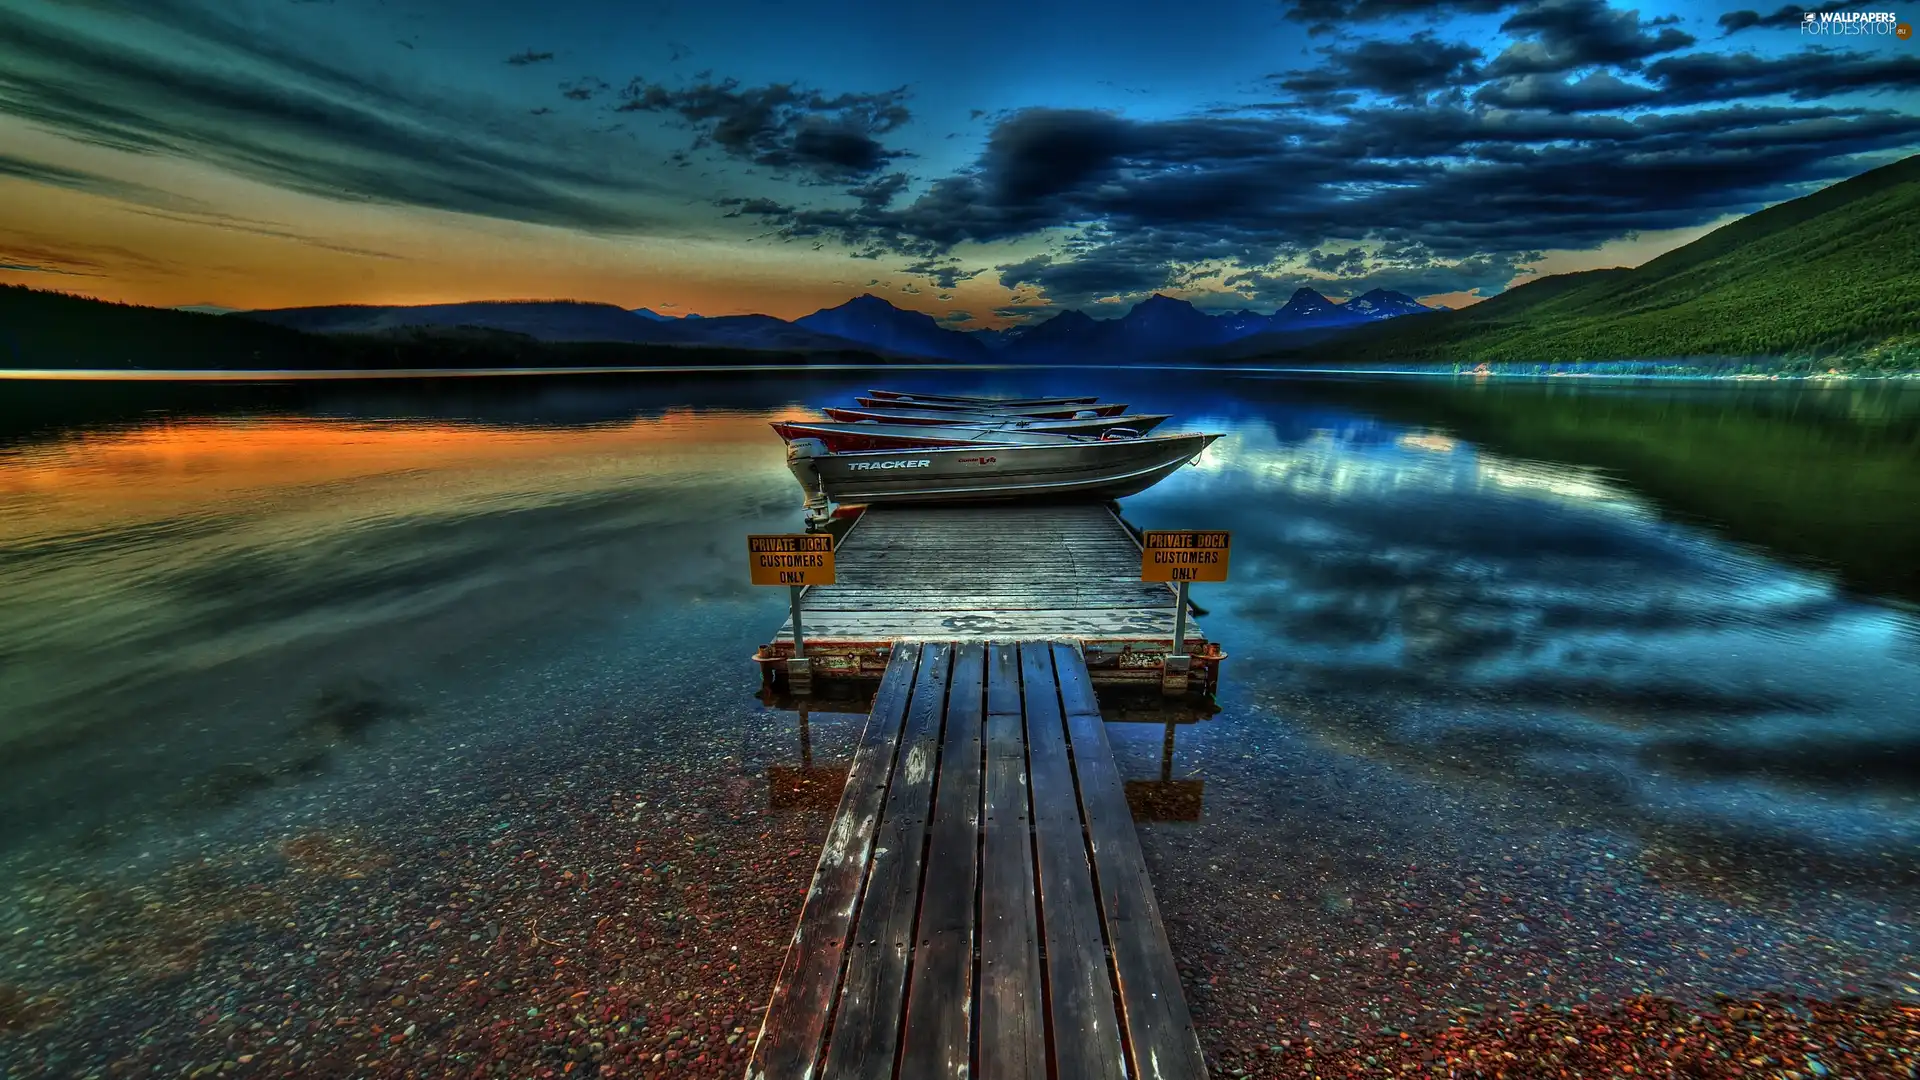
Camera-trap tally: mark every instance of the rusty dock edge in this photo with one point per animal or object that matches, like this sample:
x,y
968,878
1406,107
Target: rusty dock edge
x,y
1066,573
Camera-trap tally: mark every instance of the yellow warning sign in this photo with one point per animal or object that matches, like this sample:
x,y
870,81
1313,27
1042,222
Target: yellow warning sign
x,y
1184,556
792,559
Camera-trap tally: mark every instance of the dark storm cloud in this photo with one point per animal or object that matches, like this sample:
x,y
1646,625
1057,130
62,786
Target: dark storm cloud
x,y
946,273
1802,76
1705,78
1600,91
782,126
266,112
1405,71
1471,189
1348,263
1090,277
1787,17
1322,16
881,190
1561,35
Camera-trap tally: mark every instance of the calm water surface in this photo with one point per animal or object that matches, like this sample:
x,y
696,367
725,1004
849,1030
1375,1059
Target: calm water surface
x,y
377,728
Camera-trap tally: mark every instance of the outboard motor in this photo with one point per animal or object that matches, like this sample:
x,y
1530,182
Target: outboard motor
x,y
800,455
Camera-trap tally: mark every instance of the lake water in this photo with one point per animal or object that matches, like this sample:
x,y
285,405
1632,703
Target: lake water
x,y
395,729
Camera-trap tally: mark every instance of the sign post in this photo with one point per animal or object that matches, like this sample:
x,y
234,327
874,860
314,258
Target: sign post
x,y
795,560
1182,558
799,639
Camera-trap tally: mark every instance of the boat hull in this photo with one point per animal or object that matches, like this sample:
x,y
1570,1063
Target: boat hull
x,y
987,402
852,438
1084,470
1056,412
1099,425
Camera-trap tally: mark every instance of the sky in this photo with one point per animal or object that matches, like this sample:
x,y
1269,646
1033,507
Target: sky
x,y
986,163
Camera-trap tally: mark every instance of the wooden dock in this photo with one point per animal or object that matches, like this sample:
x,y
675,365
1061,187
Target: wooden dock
x,y
981,906
1062,573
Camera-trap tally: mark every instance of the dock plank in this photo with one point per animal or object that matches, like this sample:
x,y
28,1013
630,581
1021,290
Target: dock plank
x,y
866,1030
1007,571
1161,1038
938,1038
981,906
1086,1030
791,1040
987,624
1013,1041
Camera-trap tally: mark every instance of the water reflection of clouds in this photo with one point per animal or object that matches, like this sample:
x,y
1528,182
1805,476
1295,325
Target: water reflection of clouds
x,y
137,561
1362,456
1538,624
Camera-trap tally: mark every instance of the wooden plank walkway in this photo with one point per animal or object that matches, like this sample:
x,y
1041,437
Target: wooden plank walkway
x,y
958,573
981,906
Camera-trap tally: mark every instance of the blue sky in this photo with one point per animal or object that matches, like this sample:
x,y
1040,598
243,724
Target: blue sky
x,y
996,159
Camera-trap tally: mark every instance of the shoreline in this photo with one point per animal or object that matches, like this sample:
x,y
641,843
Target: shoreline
x,y
171,375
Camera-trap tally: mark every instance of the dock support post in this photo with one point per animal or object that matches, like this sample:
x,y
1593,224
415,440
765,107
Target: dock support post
x,y
1173,675
1180,624
799,668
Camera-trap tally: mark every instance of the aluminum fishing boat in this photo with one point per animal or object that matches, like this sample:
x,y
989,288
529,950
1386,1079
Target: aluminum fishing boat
x,y
991,402
1060,412
1086,469
845,438
1092,425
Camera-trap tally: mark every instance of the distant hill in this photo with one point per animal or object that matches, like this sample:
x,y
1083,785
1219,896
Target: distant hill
x,y
877,324
559,321
1832,274
45,329
1157,328
40,329
1162,328
543,320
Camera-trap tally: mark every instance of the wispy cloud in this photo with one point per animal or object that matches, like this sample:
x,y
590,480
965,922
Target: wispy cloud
x,y
29,268
180,78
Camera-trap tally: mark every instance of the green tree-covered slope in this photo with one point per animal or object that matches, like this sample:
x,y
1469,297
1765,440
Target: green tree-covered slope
x,y
1833,275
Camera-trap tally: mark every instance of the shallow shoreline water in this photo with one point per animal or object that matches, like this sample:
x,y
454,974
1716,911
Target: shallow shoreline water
x,y
413,733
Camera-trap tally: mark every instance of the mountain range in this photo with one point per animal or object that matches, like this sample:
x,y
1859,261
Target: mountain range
x,y
1831,279
1157,328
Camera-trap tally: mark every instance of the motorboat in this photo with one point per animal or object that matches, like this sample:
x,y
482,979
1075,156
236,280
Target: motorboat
x,y
1083,469
1059,412
991,402
866,435
1091,425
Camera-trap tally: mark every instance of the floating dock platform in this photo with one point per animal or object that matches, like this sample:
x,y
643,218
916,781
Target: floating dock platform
x,y
1067,573
981,906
